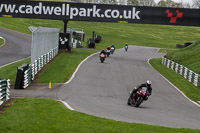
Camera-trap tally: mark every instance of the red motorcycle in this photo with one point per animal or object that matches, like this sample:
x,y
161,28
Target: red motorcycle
x,y
138,97
102,57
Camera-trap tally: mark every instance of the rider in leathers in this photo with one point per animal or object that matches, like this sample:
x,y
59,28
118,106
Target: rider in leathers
x,y
102,52
147,84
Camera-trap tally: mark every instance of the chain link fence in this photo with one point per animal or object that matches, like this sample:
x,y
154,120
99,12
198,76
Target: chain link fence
x,y
44,47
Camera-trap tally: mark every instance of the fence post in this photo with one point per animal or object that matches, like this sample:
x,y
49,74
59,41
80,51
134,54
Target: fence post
x,y
4,90
198,82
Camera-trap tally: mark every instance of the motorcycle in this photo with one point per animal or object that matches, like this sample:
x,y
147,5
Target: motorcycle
x,y
126,48
138,97
102,57
108,52
112,50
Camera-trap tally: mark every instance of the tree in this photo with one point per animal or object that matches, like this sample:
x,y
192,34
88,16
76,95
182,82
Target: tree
x,y
169,3
78,1
133,2
147,2
187,5
162,3
196,3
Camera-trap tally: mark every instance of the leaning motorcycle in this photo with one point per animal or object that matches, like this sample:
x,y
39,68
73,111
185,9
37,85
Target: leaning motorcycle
x,y
108,52
112,50
126,48
102,57
138,97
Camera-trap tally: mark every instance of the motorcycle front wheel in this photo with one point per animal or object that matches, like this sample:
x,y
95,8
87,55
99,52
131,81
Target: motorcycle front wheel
x,y
102,60
138,101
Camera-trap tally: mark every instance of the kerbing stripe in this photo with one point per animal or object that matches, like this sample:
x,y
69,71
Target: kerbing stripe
x,y
4,41
67,105
78,68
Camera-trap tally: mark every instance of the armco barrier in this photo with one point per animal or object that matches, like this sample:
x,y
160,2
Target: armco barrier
x,y
4,90
43,60
191,76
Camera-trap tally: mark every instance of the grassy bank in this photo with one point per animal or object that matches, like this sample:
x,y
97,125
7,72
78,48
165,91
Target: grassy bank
x,y
63,66
188,57
177,80
162,36
49,116
57,71
10,71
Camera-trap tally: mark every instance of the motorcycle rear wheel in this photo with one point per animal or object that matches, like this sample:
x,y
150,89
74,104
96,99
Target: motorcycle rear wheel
x,y
128,102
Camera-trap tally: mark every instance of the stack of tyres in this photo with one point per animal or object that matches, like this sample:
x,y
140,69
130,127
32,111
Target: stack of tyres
x,y
20,76
91,43
98,39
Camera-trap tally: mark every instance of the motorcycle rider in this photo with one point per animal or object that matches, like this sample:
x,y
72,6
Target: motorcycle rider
x,y
108,48
126,47
147,84
113,46
103,52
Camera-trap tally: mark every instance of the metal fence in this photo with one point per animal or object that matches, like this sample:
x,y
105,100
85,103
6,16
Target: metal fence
x,y
44,40
4,90
44,48
188,74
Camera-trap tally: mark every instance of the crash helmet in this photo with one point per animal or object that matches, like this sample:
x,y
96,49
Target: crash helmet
x,y
148,83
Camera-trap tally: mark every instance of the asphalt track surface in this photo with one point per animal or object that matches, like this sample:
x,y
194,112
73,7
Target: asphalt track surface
x,y
102,89
16,47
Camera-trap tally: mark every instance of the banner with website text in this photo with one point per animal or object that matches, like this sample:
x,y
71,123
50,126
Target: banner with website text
x,y
99,12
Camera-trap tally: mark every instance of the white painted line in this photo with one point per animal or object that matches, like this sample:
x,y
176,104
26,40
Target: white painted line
x,y
4,41
78,68
158,50
174,86
13,62
67,105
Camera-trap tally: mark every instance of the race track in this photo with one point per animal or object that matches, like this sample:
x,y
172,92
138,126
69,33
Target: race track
x,y
103,89
17,46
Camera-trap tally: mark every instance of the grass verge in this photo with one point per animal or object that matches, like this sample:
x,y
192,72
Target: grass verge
x,y
10,71
63,66
163,36
58,71
188,57
176,79
29,115
1,41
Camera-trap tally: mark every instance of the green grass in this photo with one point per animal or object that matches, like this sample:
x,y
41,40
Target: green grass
x,y
189,57
58,71
185,86
49,116
166,50
10,71
1,41
163,36
42,115
63,66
